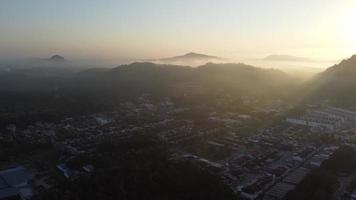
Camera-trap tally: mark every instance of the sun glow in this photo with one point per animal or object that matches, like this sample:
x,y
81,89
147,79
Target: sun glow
x,y
349,30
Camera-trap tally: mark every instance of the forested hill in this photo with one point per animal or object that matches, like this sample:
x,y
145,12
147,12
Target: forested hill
x,y
337,84
238,79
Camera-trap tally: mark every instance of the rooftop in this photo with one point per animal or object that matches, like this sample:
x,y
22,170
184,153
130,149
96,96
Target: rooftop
x,y
16,176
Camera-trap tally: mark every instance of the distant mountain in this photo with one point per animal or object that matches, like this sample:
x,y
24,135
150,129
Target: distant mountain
x,y
53,60
57,58
287,58
337,84
54,66
191,59
192,56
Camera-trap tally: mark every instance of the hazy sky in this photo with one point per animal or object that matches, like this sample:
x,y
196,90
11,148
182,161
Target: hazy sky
x,y
115,29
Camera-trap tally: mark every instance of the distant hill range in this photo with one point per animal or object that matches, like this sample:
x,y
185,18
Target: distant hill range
x,y
28,63
191,59
55,59
173,80
287,58
337,84
53,66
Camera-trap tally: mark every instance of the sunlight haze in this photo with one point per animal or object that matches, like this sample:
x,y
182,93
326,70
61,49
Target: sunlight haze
x,y
119,30
177,99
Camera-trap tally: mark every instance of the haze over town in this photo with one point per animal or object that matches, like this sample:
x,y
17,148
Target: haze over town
x,y
177,100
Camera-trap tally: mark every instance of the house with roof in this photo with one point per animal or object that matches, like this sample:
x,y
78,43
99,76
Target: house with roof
x,y
16,183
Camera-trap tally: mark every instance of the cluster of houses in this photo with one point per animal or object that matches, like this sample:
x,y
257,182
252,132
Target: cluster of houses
x,y
266,165
283,175
326,119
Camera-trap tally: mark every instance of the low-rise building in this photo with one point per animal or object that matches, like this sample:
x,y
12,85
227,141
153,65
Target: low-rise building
x,y
16,183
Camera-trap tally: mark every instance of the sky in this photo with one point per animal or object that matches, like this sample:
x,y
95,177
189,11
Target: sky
x,y
118,29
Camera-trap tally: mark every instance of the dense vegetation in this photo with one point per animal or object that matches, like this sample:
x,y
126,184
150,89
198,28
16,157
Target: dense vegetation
x,y
336,85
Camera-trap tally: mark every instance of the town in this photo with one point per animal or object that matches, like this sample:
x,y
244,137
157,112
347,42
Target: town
x,y
263,162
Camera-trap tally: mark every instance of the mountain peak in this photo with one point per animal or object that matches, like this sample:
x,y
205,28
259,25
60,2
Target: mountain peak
x,y
189,59
57,58
193,54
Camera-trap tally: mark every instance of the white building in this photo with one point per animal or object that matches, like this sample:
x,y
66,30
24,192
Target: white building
x,y
328,119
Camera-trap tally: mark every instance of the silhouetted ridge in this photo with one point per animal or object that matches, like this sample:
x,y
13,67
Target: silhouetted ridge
x,y
192,59
346,67
337,84
197,55
57,58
